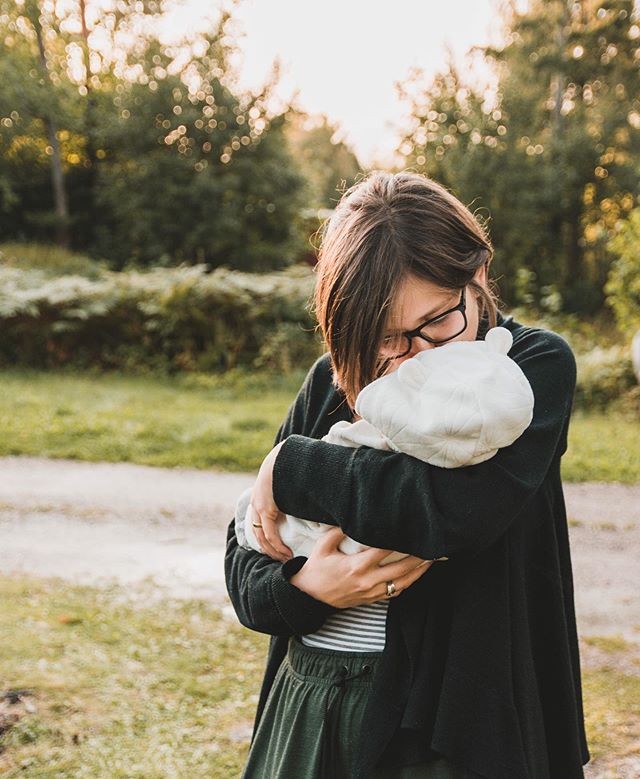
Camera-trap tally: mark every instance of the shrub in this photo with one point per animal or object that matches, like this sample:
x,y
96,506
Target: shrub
x,y
623,284
167,318
288,346
604,376
580,332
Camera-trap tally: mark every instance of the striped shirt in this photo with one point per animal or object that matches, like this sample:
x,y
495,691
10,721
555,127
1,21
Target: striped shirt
x,y
355,629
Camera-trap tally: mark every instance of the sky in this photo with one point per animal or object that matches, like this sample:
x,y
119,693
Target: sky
x,y
342,57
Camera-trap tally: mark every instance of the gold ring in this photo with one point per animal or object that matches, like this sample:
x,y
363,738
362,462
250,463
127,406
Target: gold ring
x,y
391,588
256,524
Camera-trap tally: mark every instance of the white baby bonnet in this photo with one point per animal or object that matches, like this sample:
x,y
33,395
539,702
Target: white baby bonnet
x,y
453,405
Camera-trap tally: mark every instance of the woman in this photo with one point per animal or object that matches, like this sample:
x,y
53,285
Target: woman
x,y
466,665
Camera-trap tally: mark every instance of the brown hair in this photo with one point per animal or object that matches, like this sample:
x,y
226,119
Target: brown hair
x,y
386,227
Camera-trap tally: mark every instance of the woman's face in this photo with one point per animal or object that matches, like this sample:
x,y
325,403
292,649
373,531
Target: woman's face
x,y
418,300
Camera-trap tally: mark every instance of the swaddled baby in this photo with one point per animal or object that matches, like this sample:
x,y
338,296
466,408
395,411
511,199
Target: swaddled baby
x,y
451,406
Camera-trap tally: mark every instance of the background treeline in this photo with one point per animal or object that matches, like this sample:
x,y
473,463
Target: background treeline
x,y
555,160
143,153
135,151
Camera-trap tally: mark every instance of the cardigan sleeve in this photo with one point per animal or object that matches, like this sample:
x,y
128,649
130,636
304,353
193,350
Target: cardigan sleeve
x,y
259,588
394,501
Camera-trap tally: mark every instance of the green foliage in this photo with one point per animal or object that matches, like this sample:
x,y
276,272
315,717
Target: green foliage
x,y
188,319
195,190
582,333
552,161
172,319
288,345
164,160
604,375
328,164
623,285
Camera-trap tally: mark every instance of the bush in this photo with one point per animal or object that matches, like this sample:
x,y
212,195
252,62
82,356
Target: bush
x,y
604,376
287,346
605,371
623,284
165,319
581,333
629,403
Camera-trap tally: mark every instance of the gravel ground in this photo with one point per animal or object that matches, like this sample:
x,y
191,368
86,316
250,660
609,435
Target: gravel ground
x,y
117,522
165,528
95,522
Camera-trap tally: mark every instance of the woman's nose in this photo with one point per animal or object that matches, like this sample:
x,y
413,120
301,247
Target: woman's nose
x,y
419,345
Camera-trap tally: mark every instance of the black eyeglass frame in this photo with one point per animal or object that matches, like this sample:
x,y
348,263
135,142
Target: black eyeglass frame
x,y
409,334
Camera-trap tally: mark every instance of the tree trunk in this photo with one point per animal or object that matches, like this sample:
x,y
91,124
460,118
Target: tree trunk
x,y
90,115
57,174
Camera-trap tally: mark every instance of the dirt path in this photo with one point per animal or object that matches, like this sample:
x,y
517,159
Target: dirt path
x,y
91,522
100,522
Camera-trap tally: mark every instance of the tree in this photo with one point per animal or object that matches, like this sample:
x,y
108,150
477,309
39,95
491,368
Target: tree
x,y
554,156
191,169
165,159
328,164
34,109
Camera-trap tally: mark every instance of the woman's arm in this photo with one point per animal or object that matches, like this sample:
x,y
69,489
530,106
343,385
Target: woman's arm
x,y
394,501
258,586
262,595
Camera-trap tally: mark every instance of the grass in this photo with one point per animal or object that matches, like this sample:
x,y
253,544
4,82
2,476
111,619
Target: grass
x,y
50,260
612,701
123,689
603,446
148,690
226,421
612,714
192,420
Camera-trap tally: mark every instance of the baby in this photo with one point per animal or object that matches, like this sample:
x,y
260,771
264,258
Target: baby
x,y
451,406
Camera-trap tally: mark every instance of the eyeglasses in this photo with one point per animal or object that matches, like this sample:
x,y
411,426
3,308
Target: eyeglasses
x,y
437,330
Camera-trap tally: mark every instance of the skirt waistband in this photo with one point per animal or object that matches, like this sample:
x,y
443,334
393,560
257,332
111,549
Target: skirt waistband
x,y
325,666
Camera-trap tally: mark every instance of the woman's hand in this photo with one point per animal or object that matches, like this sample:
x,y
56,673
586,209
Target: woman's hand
x,y
344,580
263,510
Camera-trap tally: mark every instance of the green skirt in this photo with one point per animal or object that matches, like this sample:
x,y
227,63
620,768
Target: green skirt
x,y
313,716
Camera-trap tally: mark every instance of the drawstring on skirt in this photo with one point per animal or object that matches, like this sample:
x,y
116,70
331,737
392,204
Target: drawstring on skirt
x,y
329,755
313,716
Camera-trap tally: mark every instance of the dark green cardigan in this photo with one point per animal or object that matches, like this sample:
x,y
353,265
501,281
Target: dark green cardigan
x,y
481,661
